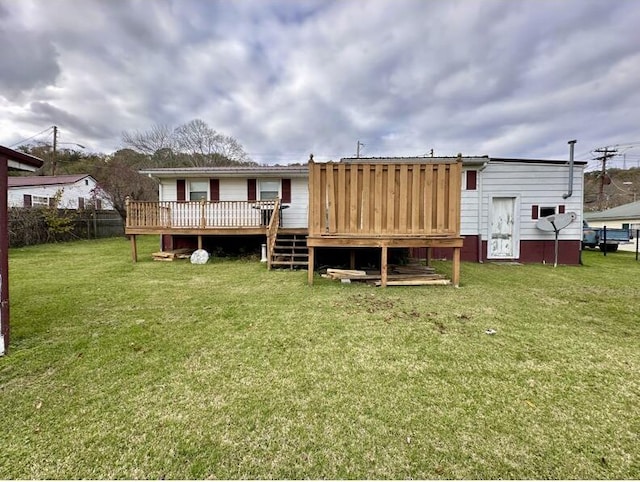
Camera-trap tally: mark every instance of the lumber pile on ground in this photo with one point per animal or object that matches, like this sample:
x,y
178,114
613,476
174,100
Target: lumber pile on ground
x,y
405,275
183,253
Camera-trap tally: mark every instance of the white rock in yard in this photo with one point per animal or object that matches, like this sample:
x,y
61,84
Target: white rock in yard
x,y
199,256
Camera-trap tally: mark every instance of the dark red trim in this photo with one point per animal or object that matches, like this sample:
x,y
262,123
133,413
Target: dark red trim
x,y
535,211
251,190
472,180
561,209
286,191
214,190
533,251
181,189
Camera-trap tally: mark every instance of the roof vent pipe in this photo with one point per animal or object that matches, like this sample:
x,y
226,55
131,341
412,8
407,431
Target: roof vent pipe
x,y
571,144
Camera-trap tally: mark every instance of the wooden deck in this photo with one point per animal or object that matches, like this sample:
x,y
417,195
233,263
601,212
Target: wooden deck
x,y
206,218
385,205
199,217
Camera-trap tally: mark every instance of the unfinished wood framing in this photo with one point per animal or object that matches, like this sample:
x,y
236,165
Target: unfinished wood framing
x,y
385,205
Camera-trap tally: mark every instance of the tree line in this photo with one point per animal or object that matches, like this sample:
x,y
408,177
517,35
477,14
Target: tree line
x,y
193,144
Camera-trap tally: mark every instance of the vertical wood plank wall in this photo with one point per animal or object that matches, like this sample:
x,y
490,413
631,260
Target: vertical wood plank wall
x,y
369,199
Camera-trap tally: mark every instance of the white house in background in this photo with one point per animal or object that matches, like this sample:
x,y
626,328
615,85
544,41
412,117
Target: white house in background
x,y
77,191
625,216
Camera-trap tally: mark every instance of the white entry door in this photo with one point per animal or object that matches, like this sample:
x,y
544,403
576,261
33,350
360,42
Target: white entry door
x,y
503,232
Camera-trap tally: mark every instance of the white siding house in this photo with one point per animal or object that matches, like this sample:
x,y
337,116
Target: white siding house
x,y
75,191
289,183
501,202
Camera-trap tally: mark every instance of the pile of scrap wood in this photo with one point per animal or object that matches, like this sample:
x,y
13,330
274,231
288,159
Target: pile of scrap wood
x,y
405,275
184,253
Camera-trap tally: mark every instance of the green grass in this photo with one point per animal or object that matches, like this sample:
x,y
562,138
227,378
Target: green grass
x,y
172,370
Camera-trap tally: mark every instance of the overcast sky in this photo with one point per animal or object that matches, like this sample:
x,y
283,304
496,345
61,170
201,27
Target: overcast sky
x,y
289,78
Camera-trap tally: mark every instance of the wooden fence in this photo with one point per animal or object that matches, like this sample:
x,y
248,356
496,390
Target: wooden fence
x,y
371,199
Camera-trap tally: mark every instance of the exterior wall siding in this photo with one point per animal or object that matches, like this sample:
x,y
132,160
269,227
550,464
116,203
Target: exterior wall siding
x,y
68,200
541,185
235,189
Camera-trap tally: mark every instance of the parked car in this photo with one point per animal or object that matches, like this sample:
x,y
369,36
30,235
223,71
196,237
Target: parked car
x,y
609,240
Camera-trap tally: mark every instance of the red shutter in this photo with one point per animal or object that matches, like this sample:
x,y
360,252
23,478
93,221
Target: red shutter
x,y
534,211
27,200
251,190
561,209
80,203
472,180
286,191
181,187
98,204
214,189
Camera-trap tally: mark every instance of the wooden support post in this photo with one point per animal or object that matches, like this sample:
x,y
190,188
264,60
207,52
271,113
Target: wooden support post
x,y
428,256
199,241
455,268
134,248
311,265
383,267
352,259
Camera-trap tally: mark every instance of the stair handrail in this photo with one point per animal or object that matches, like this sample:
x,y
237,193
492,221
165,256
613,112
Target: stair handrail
x,y
272,231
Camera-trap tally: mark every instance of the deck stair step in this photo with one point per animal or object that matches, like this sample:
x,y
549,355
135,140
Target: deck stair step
x,y
290,251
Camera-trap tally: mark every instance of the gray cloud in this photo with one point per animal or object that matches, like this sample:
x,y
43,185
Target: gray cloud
x,y
288,78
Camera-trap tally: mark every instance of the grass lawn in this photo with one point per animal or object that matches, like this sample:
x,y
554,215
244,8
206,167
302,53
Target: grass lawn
x,y
225,370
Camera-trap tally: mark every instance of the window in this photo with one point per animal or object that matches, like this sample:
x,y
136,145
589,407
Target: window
x,y
39,201
198,190
547,211
538,212
269,189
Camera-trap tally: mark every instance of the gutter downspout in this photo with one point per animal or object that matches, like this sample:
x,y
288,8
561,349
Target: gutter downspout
x,y
570,193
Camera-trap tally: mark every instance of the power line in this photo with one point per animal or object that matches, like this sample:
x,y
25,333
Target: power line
x,y
29,138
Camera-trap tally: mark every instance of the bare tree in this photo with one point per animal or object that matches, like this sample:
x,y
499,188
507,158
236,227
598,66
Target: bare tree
x,y
193,144
148,142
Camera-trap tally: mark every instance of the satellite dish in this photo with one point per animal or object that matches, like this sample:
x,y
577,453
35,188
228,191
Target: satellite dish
x,y
555,222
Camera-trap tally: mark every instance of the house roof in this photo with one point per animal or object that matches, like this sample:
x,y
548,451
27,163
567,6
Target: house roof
x,y
24,181
466,160
625,211
418,159
229,171
20,160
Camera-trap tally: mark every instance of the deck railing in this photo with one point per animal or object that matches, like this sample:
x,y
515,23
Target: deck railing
x,y
199,214
370,199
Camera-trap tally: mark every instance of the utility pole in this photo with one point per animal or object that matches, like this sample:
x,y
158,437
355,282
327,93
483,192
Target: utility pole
x,y
606,154
360,144
55,146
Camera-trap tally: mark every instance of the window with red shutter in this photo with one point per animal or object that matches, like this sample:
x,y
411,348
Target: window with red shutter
x,y
472,180
251,190
286,191
214,190
181,189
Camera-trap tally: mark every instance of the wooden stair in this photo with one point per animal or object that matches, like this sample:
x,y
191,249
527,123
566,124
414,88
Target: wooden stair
x,y
290,251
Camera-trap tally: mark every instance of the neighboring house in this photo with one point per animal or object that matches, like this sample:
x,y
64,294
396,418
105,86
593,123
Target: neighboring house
x,y
625,216
501,202
77,191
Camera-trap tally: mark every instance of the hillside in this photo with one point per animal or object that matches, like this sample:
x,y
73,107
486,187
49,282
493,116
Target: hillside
x,y
621,186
